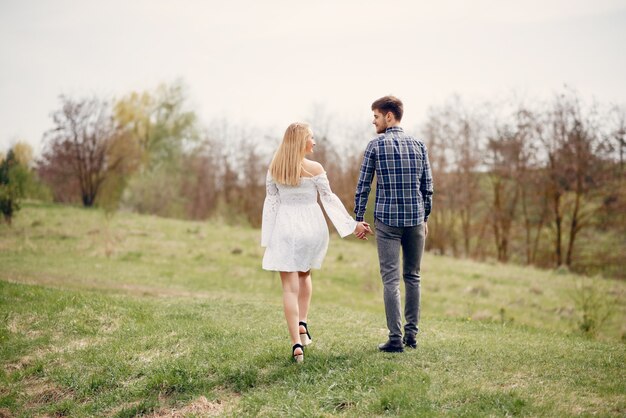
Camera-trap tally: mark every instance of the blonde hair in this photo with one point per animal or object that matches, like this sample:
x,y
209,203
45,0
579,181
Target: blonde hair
x,y
287,162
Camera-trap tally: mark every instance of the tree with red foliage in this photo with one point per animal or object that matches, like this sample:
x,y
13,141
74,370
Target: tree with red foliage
x,y
78,157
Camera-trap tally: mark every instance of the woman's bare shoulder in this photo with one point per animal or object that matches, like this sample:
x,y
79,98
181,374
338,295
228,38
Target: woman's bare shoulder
x,y
313,167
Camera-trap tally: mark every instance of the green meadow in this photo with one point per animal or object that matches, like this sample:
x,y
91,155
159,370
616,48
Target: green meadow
x,y
137,315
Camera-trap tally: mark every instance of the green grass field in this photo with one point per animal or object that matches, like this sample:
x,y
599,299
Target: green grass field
x,y
140,315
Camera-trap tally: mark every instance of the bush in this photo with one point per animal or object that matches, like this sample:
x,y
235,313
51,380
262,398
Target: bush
x,y
593,306
13,178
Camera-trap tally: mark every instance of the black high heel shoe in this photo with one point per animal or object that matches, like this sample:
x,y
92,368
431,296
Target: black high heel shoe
x,y
299,358
305,337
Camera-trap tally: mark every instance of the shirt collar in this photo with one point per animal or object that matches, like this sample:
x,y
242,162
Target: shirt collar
x,y
394,129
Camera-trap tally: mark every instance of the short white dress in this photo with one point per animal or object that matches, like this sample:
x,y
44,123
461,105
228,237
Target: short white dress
x,y
294,230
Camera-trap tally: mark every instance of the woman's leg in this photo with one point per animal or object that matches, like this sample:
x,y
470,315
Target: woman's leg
x,y
291,287
304,296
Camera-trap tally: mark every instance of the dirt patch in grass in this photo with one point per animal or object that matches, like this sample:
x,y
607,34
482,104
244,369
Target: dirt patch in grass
x,y
28,360
513,382
22,324
589,403
148,356
40,353
20,364
78,344
201,407
39,392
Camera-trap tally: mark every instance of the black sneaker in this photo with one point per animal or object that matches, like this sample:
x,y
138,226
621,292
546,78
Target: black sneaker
x,y
391,347
410,341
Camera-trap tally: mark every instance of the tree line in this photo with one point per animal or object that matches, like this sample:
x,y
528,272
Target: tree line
x,y
539,184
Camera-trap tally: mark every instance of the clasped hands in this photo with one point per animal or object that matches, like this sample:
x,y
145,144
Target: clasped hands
x,y
362,229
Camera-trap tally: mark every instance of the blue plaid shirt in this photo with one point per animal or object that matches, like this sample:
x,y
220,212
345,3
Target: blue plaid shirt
x,y
404,184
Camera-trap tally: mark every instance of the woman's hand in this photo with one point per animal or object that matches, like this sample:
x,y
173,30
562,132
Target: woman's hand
x,y
362,229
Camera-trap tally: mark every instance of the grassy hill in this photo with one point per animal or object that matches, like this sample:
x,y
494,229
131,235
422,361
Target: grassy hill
x,y
141,315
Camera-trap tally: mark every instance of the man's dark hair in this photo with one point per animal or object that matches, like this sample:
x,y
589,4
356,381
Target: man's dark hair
x,y
389,104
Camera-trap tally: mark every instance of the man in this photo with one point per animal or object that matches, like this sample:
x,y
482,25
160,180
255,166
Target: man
x,y
404,189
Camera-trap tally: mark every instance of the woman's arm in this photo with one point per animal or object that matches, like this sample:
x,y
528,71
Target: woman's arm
x,y
270,209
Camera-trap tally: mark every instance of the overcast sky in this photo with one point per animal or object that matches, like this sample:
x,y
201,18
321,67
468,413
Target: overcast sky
x,y
267,63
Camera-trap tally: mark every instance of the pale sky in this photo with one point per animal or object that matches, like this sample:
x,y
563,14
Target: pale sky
x,y
267,63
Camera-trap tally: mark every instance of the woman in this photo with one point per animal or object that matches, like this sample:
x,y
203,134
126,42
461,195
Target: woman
x,y
294,230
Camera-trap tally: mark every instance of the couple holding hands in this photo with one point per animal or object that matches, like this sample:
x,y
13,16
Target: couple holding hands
x,y
295,233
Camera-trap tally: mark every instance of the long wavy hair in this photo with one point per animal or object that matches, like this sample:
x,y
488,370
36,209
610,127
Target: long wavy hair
x,y
287,162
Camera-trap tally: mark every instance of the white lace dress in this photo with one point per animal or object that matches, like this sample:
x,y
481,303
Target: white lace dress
x,y
294,230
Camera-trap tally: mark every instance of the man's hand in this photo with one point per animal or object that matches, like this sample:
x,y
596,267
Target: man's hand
x,y
425,229
362,229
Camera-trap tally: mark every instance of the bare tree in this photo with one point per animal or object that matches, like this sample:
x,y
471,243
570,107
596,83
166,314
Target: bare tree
x,y
582,176
455,142
252,182
511,163
528,175
503,159
569,139
442,221
201,184
78,147
615,142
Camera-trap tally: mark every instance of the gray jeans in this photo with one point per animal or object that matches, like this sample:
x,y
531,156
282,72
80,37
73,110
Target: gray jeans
x,y
389,240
